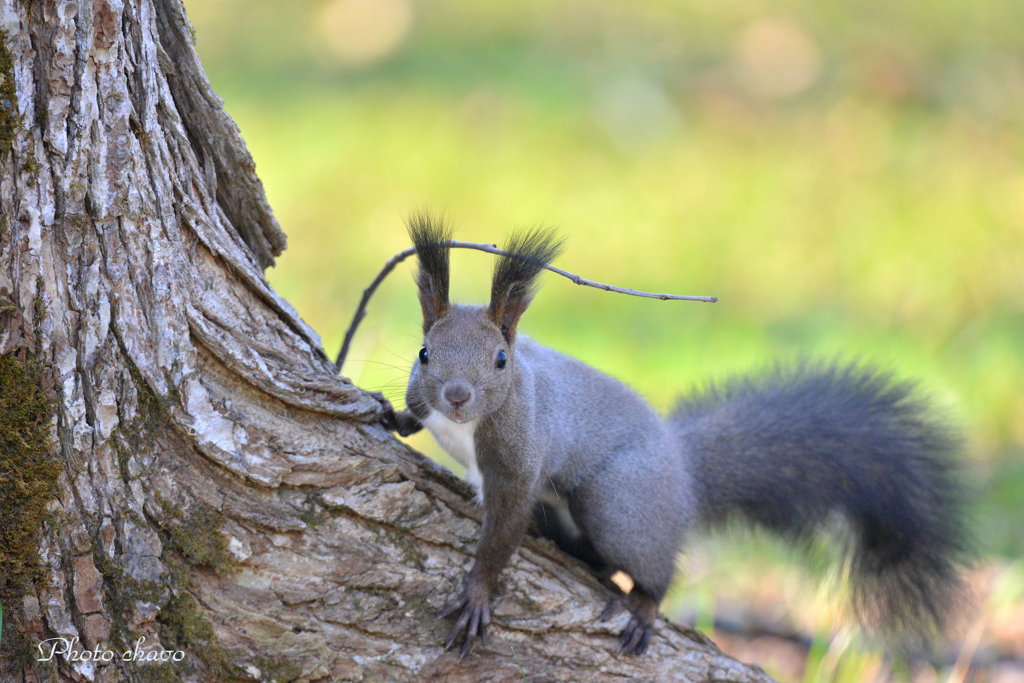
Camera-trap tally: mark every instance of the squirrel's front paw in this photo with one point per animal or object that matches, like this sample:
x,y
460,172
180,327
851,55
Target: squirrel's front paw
x,y
387,417
403,421
386,404
474,610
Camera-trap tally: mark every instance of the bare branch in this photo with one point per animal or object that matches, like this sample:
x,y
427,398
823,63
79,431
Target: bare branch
x,y
490,249
361,310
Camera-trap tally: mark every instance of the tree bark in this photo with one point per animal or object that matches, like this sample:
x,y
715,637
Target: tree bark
x,y
221,492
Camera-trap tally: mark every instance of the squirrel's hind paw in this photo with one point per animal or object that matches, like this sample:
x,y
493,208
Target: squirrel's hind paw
x,y
637,634
635,637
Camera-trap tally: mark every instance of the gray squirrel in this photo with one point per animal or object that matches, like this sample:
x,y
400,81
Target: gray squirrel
x,y
545,437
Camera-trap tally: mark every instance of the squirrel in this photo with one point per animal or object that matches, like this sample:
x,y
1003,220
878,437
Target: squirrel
x,y
545,437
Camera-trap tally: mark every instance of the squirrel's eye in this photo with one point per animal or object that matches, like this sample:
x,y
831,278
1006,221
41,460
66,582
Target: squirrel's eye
x,y
423,355
500,361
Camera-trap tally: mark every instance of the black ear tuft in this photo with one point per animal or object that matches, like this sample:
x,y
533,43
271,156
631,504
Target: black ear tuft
x,y
515,276
430,235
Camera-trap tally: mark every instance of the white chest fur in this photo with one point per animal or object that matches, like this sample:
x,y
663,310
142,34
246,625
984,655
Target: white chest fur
x,y
457,440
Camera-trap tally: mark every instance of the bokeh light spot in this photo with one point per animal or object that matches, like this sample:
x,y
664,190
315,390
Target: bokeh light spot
x,y
359,32
777,59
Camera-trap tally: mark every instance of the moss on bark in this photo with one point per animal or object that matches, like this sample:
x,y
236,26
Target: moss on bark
x,y
10,119
29,472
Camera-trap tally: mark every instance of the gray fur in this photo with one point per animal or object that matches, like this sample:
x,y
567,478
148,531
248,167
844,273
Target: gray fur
x,y
789,450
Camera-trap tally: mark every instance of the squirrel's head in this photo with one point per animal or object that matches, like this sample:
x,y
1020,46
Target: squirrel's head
x,y
467,362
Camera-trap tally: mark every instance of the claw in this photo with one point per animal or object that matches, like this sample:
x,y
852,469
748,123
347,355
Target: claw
x,y
451,608
630,636
388,418
403,421
644,640
635,638
457,629
385,404
612,609
466,646
473,618
485,620
643,612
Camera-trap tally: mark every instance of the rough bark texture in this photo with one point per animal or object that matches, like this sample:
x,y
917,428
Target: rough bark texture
x,y
221,491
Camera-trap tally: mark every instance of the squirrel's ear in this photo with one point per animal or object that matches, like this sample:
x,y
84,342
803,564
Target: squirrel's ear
x,y
508,308
515,276
431,236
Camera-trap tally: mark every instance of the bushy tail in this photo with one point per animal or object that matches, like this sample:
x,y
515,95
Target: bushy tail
x,y
793,448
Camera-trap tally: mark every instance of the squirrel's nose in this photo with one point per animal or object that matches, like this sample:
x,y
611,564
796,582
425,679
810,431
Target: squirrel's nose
x,y
457,394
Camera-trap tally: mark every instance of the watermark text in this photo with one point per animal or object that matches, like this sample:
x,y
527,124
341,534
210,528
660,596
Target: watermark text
x,y
53,647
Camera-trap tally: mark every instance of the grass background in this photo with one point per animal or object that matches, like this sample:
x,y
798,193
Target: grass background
x,y
846,177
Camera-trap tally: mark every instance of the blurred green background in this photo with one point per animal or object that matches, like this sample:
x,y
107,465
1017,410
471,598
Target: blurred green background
x,y
845,176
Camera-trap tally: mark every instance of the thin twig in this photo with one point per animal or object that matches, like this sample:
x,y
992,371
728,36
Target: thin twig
x,y
490,249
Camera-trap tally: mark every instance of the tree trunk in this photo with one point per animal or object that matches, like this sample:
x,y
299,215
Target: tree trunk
x,y
199,477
